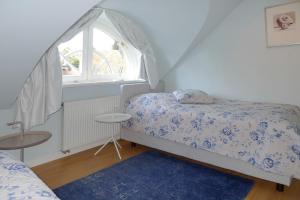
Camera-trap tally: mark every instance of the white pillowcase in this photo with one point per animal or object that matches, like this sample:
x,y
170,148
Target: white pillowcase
x,y
190,96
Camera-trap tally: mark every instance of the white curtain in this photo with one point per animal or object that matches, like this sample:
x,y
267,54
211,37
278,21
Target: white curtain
x,y
132,34
41,94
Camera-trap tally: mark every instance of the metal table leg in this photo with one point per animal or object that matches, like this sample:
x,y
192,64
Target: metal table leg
x,y
110,139
116,144
22,155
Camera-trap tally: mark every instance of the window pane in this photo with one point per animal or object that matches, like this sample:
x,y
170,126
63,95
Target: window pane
x,y
71,55
107,56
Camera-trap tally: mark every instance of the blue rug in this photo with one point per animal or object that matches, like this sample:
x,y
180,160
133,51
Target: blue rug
x,y
155,176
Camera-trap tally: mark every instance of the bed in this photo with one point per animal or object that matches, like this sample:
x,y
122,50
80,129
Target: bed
x,y
256,139
17,181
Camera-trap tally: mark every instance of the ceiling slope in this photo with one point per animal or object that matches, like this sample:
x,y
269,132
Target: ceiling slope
x,y
218,11
170,24
28,28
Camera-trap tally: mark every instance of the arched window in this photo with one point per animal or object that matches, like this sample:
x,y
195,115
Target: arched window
x,y
98,53
102,45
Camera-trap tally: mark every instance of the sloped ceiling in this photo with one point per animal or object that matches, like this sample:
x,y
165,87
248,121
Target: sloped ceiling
x,y
27,30
29,27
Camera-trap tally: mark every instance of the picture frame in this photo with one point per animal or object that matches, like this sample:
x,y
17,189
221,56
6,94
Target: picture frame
x,y
283,24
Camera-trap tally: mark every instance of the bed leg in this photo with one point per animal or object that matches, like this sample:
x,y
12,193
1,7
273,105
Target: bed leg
x,y
279,187
133,144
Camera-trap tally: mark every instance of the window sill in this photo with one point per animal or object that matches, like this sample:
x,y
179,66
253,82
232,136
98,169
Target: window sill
x,y
92,83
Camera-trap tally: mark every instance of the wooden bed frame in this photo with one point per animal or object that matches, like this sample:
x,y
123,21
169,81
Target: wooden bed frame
x,y
130,90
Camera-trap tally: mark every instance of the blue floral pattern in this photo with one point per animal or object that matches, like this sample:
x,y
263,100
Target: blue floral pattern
x,y
265,135
18,182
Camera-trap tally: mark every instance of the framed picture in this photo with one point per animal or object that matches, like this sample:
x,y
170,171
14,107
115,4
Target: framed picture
x,y
283,24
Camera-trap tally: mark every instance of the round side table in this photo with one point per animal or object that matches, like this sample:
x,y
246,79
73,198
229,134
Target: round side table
x,y
25,140
112,118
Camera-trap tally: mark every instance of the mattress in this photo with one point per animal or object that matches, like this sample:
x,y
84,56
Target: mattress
x,y
265,135
17,181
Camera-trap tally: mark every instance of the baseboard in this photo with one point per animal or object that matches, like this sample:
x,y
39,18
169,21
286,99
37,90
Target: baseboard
x,y
59,154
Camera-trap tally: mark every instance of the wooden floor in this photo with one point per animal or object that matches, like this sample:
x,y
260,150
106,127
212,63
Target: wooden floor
x,y
68,169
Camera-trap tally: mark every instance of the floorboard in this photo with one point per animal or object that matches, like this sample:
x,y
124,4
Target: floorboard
x,y
68,169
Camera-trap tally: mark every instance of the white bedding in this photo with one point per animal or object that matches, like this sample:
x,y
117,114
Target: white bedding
x,y
262,134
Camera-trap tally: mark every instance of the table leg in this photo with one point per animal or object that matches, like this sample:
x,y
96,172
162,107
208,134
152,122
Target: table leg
x,y
110,139
22,155
118,144
115,143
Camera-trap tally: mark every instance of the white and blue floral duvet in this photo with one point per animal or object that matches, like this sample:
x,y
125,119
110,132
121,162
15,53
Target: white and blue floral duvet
x,y
18,182
264,135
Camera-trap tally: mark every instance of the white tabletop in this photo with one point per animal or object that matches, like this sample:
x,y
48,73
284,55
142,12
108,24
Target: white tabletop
x,y
113,117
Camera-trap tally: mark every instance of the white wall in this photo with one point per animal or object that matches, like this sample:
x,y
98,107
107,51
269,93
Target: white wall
x,y
233,62
217,11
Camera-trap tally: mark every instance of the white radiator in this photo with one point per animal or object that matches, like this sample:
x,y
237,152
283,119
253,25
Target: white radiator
x,y
79,126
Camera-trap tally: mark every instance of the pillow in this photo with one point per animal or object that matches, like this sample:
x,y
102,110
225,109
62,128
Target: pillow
x,y
191,96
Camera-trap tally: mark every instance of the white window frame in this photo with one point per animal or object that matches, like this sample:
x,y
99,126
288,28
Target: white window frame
x,y
75,78
87,54
91,76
